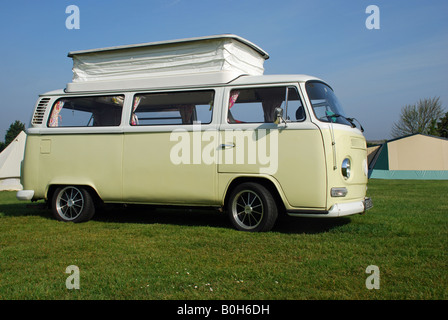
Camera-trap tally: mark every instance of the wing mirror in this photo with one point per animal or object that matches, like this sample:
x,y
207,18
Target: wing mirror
x,y
278,115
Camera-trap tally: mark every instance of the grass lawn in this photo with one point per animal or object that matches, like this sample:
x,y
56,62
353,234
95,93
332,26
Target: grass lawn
x,y
138,253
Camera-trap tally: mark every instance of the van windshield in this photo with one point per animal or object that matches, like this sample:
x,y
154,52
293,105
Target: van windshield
x,y
325,104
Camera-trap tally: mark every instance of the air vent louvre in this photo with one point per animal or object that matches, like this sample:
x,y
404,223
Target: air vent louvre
x,y
39,113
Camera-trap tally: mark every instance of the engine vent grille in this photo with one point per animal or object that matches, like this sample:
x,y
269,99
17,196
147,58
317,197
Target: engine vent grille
x,y
39,113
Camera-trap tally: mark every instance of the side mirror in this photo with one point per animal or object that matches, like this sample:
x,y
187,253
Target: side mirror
x,y
278,115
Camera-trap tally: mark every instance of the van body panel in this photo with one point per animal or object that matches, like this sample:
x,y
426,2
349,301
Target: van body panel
x,y
349,143
75,159
30,167
293,156
153,171
301,168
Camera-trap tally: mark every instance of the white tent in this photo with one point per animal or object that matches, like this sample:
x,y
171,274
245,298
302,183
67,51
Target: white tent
x,y
10,160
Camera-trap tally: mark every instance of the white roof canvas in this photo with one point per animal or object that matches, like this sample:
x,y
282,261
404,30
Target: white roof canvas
x,y
204,55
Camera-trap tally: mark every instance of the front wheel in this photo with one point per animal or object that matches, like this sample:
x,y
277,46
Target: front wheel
x,y
73,204
252,207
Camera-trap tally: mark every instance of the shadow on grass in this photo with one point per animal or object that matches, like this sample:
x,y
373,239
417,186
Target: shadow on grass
x,y
193,217
24,209
201,217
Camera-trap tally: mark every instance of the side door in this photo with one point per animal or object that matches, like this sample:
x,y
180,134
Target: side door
x,y
164,158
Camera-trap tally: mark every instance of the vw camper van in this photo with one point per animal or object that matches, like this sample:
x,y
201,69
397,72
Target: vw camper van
x,y
194,122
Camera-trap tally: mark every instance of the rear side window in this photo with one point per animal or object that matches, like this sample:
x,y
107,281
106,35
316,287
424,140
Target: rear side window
x,y
93,111
172,108
257,105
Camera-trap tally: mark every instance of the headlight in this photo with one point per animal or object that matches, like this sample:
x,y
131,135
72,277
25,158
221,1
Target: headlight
x,y
345,168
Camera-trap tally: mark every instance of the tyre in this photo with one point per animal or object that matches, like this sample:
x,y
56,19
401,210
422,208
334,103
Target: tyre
x,y
72,204
252,207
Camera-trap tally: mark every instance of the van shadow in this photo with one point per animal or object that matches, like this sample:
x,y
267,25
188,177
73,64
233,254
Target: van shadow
x,y
303,225
25,209
189,217
200,217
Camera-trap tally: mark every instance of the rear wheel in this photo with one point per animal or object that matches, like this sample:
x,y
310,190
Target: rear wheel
x,y
72,203
252,207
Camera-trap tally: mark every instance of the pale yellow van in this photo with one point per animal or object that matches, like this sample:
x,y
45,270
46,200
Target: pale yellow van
x,y
180,130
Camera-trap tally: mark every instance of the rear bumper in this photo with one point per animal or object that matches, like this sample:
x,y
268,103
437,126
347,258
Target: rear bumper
x,y
25,194
337,210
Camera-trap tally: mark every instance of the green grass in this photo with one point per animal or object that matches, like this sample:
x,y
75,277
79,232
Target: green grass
x,y
138,253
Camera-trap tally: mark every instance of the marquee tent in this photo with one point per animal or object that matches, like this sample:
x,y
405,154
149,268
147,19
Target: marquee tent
x,y
10,160
415,156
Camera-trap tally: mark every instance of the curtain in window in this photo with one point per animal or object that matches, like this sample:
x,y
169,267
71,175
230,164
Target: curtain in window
x,y
54,118
134,118
233,96
186,113
118,100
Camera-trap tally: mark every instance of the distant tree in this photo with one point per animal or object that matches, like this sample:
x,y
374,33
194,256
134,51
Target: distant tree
x,y
13,131
432,130
442,127
418,118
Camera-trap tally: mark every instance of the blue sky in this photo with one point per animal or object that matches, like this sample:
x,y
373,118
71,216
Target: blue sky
x,y
374,72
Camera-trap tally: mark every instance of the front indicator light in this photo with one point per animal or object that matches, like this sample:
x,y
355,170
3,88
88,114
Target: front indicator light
x,y
338,192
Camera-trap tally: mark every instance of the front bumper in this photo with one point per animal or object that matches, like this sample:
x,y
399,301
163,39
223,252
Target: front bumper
x,y
347,209
337,210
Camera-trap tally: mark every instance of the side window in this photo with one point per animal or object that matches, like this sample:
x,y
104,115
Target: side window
x,y
187,107
257,105
295,111
93,111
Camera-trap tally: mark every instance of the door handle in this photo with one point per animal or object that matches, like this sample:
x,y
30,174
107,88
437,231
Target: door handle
x,y
227,145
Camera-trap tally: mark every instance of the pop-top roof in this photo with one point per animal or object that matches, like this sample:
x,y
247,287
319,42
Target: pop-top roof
x,y
263,53
193,56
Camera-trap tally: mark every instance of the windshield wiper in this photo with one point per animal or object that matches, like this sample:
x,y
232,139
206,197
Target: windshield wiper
x,y
351,120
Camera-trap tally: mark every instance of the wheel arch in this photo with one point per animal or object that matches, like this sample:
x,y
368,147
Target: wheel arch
x,y
272,187
91,190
